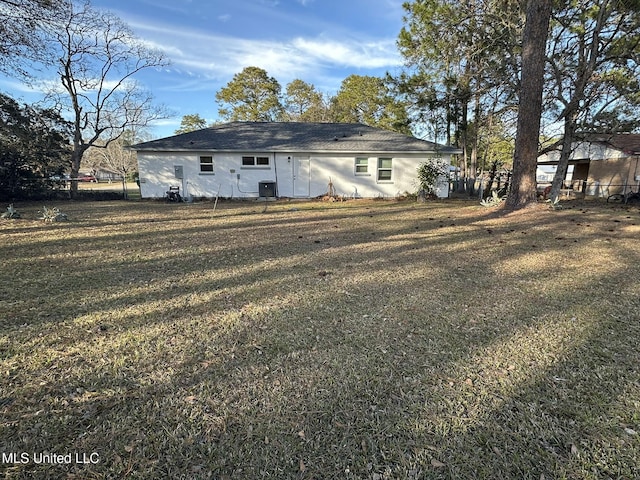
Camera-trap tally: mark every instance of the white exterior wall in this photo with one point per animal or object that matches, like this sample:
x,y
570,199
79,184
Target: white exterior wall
x,y
304,175
157,174
584,150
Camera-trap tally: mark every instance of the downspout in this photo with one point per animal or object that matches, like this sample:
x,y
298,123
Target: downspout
x,y
275,172
185,186
627,182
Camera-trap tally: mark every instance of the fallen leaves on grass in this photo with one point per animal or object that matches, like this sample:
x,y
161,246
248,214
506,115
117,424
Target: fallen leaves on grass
x,y
352,340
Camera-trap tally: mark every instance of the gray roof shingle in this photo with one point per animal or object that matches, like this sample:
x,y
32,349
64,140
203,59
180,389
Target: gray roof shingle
x,y
292,137
628,143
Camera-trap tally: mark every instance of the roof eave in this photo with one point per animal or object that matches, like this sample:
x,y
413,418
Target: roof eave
x,y
381,152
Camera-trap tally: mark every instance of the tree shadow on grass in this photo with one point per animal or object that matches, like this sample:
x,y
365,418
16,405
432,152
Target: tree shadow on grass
x,y
343,365
571,419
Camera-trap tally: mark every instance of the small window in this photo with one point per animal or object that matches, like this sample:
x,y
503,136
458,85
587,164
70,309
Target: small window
x,y
251,161
362,166
206,164
384,169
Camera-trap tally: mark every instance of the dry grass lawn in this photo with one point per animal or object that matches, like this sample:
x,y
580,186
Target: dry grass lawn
x,y
357,340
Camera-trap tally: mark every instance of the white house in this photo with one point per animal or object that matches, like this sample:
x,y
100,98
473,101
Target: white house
x,y
256,159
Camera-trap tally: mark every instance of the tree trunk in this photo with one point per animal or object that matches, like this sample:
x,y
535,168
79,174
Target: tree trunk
x,y
465,171
563,162
474,143
493,171
534,40
76,160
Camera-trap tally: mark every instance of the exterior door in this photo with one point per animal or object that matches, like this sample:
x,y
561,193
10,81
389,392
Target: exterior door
x,y
301,177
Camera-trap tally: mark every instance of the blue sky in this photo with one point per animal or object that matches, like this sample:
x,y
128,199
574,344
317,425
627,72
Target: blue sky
x,y
208,41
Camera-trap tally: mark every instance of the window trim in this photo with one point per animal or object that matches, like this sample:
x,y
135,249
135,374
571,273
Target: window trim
x,y
254,159
380,169
207,164
364,173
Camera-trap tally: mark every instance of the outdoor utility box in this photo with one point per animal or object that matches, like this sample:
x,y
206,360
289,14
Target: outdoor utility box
x,y
178,171
267,189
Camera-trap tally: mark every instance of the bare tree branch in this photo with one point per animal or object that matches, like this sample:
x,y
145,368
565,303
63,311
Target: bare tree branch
x,y
23,32
98,59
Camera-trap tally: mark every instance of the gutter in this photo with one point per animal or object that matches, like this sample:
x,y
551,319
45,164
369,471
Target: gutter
x,y
450,151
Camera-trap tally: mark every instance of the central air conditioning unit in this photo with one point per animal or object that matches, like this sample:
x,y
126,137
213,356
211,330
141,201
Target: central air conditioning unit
x,y
267,189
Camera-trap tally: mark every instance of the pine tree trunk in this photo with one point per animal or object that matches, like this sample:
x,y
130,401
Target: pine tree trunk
x,y
534,39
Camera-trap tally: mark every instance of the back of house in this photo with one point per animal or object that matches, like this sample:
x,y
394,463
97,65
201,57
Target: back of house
x,y
287,159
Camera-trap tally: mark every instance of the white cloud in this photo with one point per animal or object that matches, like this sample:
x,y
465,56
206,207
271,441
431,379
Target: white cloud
x,y
220,57
350,54
167,122
18,87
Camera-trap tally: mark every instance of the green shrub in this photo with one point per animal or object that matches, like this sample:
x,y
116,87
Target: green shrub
x,y
428,174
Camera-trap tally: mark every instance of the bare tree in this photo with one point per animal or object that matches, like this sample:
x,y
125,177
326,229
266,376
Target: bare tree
x,y
534,40
98,59
22,31
116,158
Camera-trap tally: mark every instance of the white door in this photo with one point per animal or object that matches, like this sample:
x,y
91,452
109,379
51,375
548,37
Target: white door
x,y
300,177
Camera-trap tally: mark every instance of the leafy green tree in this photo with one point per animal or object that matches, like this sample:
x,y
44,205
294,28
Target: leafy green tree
x,y
303,103
426,109
191,123
34,145
464,63
368,100
461,66
495,152
251,96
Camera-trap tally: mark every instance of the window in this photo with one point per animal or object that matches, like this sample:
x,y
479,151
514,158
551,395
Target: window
x,y
251,161
206,164
362,166
384,169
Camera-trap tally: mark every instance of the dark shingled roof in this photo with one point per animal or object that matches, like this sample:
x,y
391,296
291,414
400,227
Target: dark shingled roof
x,y
628,143
292,137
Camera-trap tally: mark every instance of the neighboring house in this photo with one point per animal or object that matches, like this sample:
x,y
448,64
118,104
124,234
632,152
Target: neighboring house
x,y
543,176
603,164
255,159
106,175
